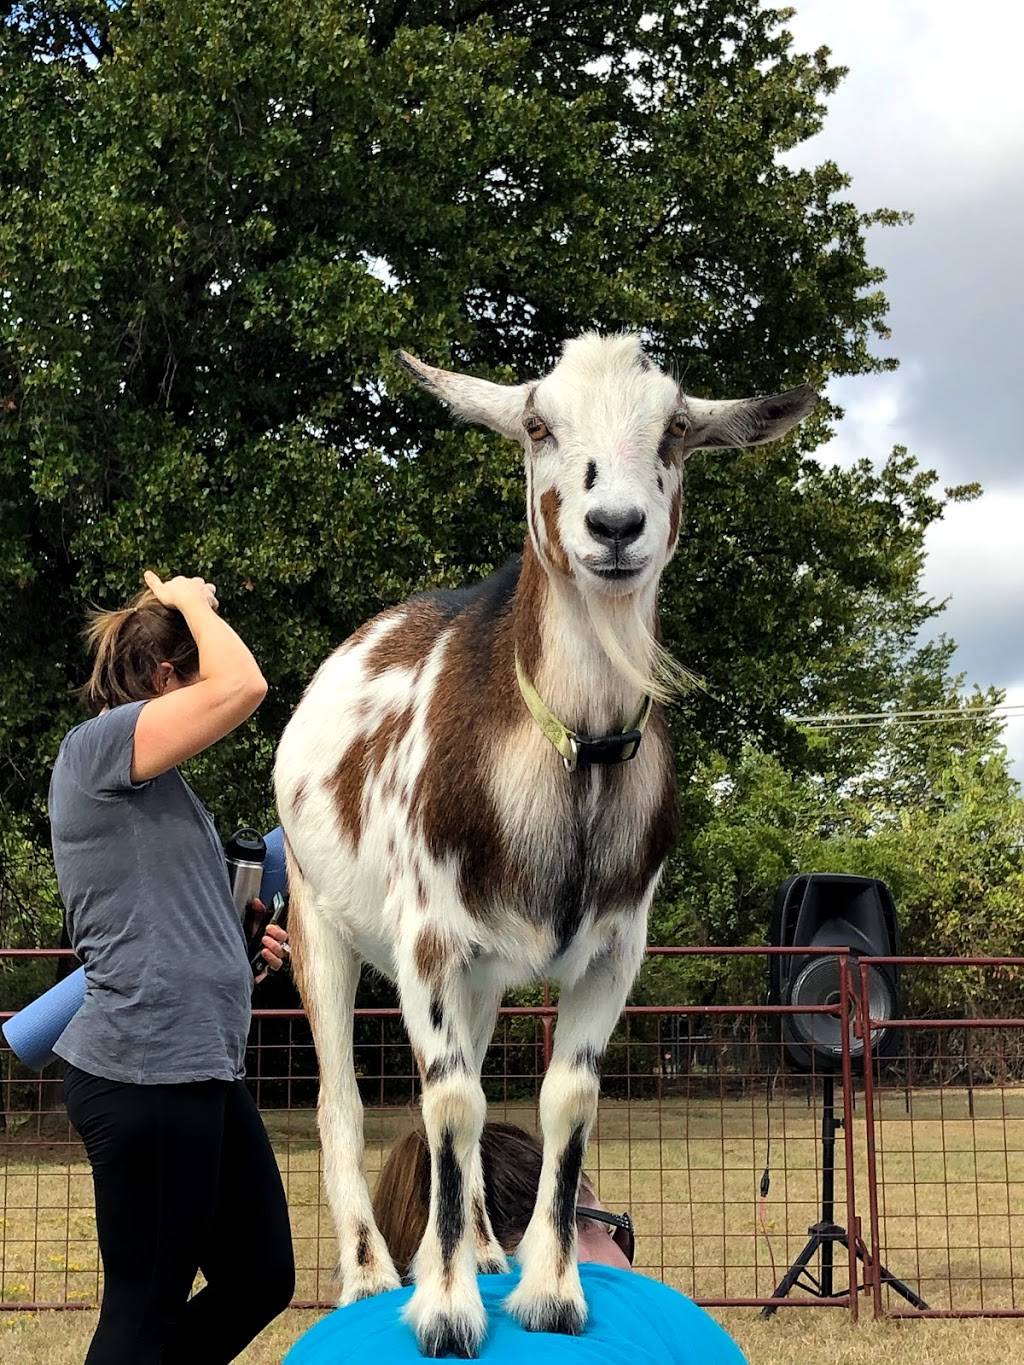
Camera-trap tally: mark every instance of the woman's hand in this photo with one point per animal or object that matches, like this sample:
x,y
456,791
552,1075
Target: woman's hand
x,y
275,945
180,592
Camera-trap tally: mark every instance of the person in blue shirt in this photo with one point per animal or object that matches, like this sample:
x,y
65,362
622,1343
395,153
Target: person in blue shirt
x,y
633,1320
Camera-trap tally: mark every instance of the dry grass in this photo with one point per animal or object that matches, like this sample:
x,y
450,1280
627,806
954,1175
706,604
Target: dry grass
x,y
794,1338
952,1198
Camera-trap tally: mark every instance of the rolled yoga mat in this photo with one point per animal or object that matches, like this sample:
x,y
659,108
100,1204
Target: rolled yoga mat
x,y
32,1032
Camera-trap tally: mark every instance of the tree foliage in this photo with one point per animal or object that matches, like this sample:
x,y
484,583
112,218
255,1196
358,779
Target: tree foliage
x,y
218,219
937,815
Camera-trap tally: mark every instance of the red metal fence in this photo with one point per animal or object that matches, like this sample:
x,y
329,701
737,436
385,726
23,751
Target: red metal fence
x,y
698,1100
944,1122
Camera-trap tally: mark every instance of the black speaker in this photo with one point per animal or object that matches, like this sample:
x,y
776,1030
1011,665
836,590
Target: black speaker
x,y
825,909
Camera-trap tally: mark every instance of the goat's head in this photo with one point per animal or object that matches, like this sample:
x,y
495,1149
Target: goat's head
x,y
606,434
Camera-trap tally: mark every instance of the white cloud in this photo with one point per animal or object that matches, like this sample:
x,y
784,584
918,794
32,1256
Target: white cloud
x,y
974,557
975,551
930,118
934,101
1013,735
873,417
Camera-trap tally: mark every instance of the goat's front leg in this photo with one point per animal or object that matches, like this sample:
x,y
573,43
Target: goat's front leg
x,y
445,1311
549,1296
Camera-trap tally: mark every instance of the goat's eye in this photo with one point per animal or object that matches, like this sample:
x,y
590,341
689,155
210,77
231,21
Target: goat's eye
x,y
536,429
679,426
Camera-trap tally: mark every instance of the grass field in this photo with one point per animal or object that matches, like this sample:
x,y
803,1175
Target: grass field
x,y
952,1198
796,1338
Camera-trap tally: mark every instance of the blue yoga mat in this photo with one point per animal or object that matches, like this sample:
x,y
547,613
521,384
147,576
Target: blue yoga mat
x,y
275,875
32,1032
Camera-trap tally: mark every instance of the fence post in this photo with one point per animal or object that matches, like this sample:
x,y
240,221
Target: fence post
x,y
847,1073
872,1274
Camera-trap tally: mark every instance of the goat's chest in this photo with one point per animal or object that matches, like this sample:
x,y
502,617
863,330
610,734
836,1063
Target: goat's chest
x,y
586,842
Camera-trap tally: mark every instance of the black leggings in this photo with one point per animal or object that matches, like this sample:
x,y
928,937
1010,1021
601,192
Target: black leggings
x,y
185,1180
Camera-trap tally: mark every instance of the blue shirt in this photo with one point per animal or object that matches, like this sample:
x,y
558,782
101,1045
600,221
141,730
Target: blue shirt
x,y
633,1320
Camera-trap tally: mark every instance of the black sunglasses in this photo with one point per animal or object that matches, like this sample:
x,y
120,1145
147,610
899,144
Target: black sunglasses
x,y
623,1236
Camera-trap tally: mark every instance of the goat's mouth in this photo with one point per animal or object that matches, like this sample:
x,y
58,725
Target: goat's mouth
x,y
615,571
618,572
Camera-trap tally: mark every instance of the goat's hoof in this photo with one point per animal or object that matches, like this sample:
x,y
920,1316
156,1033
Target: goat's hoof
x,y
493,1261
449,1334
363,1286
453,1326
548,1313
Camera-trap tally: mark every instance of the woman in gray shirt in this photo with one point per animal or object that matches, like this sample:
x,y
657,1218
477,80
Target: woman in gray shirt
x,y
184,1175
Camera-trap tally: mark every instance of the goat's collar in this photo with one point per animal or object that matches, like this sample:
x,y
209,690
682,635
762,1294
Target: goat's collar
x,y
574,748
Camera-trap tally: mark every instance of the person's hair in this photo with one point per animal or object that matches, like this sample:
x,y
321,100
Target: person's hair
x,y
511,1160
128,645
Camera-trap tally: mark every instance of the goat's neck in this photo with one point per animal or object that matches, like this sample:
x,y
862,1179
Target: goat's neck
x,y
572,672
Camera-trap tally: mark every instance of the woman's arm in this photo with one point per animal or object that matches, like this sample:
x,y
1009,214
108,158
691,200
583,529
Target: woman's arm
x,y
183,722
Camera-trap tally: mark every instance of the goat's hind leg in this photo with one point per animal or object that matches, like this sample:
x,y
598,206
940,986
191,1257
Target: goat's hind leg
x,y
327,970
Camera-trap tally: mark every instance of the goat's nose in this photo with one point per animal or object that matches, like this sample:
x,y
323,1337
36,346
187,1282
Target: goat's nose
x,y
615,528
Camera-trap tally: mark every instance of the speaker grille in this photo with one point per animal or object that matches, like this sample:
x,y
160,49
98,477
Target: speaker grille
x,y
818,984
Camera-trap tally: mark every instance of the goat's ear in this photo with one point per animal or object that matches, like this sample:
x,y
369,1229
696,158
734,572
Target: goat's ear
x,y
744,421
498,406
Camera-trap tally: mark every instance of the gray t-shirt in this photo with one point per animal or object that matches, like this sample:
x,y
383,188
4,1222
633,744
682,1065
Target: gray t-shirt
x,y
149,910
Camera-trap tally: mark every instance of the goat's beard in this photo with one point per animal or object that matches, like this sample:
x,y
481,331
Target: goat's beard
x,y
633,651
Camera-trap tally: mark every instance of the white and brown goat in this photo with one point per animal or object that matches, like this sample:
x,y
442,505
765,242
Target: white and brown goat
x,y
435,832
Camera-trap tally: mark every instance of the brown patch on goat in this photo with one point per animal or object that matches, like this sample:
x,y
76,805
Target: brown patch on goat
x,y
673,520
480,1223
450,801
364,1255
408,643
401,722
550,503
431,954
346,787
363,759
298,795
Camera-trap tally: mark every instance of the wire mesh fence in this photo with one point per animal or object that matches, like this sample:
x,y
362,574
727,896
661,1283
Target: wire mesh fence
x,y
698,1101
945,1133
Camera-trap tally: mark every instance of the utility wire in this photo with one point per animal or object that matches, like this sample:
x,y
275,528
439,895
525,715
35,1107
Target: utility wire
x,y
997,708
822,727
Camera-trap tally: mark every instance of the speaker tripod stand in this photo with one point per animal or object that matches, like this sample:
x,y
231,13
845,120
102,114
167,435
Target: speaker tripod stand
x,y
827,1232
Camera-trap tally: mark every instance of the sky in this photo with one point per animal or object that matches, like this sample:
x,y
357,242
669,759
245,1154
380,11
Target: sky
x,y
931,119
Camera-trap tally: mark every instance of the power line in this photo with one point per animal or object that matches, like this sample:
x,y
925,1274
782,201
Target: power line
x,y
934,715
874,725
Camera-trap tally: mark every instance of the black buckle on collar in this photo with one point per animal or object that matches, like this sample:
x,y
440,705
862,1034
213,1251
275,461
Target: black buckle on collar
x,y
608,748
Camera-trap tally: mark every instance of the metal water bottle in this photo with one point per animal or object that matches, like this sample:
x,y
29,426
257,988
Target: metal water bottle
x,y
245,852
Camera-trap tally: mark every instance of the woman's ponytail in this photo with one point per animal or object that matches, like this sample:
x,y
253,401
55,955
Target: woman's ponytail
x,y
128,645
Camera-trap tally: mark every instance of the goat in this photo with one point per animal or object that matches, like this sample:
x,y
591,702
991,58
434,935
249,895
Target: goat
x,y
452,820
